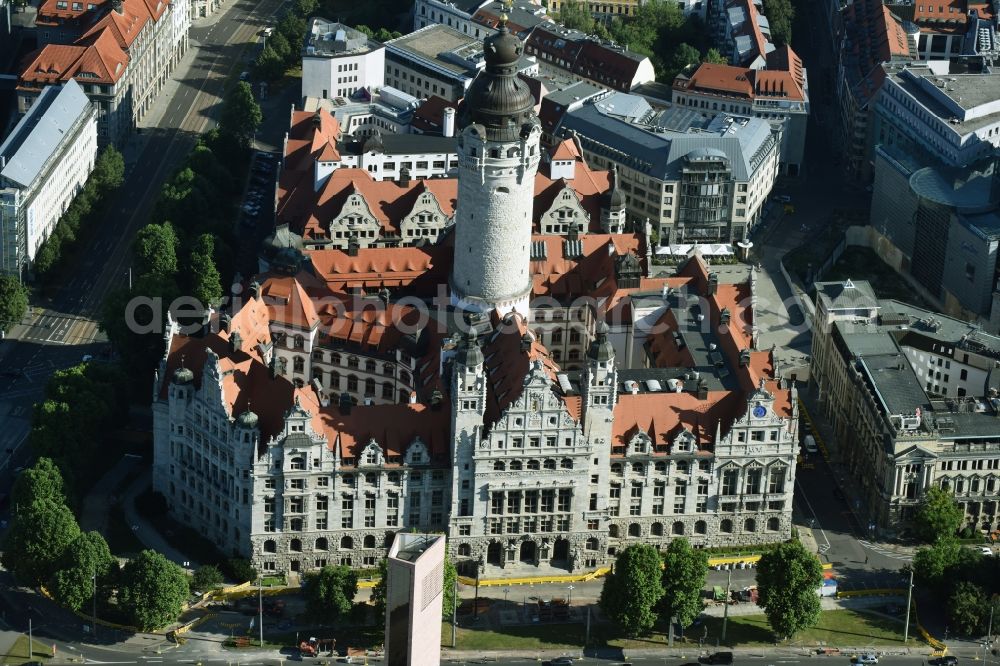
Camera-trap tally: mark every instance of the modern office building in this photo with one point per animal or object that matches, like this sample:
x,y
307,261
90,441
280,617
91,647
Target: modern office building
x,y
44,163
912,397
414,597
339,61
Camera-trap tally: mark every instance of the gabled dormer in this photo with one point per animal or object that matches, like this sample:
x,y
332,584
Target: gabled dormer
x,y
417,453
565,215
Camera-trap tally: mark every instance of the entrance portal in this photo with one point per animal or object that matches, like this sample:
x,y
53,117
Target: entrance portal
x,y
494,554
560,551
528,552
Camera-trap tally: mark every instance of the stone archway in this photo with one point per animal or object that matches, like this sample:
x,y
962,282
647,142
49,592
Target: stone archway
x,y
528,553
494,554
560,551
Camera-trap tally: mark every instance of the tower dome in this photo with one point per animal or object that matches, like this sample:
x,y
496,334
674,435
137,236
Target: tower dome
x,y
247,420
498,99
600,349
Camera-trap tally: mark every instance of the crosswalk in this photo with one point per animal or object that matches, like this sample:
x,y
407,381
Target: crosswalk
x,y
903,557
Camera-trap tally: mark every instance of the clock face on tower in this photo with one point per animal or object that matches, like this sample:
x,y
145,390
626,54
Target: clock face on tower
x,y
759,411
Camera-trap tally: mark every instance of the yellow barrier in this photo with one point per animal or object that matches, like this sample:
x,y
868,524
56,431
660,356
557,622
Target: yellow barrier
x,y
537,580
192,624
938,646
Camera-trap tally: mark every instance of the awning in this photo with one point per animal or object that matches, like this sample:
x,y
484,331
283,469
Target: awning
x,y
706,249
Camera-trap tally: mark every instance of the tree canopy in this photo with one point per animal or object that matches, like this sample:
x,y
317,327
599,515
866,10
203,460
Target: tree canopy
x,y
13,301
206,577
42,480
938,515
787,580
576,16
968,608
38,537
780,14
88,555
152,591
449,600
684,572
330,592
155,250
379,590
632,590
240,116
206,284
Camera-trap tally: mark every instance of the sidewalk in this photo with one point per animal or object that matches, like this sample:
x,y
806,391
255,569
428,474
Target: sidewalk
x,y
146,533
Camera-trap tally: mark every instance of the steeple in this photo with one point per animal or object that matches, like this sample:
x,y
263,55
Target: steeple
x,y
498,158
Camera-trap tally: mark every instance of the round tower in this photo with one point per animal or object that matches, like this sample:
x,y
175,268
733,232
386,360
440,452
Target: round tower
x,y
497,159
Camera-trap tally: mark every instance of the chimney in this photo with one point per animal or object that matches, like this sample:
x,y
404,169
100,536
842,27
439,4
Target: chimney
x,y
448,124
235,342
383,295
525,342
724,316
744,358
345,403
404,176
713,284
703,390
353,246
436,400
255,290
225,322
413,398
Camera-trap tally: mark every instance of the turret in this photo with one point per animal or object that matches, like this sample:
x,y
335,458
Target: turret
x,y
601,376
613,207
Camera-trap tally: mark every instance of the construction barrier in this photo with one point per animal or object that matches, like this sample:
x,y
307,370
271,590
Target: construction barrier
x,y
877,592
538,580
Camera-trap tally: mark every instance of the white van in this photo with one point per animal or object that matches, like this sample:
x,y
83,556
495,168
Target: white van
x,y
809,444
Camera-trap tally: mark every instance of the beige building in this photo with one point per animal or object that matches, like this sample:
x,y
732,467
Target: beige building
x,y
912,397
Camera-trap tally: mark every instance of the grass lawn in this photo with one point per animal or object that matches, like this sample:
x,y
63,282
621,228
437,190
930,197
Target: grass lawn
x,y
19,651
840,628
524,637
272,581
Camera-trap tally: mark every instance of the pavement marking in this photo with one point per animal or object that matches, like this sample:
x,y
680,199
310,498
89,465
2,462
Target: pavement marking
x,y
884,551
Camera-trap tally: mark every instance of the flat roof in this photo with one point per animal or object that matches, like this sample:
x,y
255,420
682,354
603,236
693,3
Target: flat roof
x,y
447,47
895,383
964,91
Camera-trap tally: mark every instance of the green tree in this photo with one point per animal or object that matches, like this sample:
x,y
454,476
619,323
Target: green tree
x,y
47,256
282,48
240,570
938,515
155,249
13,301
378,592
38,537
449,600
306,8
787,580
576,16
87,556
683,56
293,27
152,591
713,57
684,571
206,577
42,480
968,608
384,35
632,590
330,592
240,114
269,65
109,170
930,564
780,14
206,285
365,29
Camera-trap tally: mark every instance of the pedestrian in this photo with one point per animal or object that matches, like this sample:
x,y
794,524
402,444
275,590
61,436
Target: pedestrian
x,y
866,559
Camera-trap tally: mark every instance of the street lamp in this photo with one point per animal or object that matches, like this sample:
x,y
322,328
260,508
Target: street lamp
x,y
570,601
505,591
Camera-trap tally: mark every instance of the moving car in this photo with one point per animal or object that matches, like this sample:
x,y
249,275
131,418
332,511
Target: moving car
x,y
719,658
867,658
809,444
782,198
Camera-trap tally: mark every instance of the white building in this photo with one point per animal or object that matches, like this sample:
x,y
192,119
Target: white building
x,y
44,163
414,596
930,109
388,111
339,61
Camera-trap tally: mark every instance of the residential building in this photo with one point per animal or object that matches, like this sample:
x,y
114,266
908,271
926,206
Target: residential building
x,y
584,58
388,111
742,33
779,94
342,410
339,61
696,179
912,397
936,109
871,36
941,227
44,163
949,29
437,60
123,58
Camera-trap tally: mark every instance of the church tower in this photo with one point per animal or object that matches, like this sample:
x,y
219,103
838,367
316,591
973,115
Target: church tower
x,y
498,156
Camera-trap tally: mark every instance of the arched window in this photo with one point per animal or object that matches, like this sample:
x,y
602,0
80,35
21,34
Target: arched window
x,y
773,524
352,362
387,369
613,531
295,545
661,467
464,550
369,366
533,464
616,469
369,541
592,544
270,546
335,359
515,465
701,527
371,478
369,387
317,374
299,342
634,530
549,463
726,526
335,380
352,383
295,524
750,525
656,529
318,355
499,466
404,377
346,543
321,544
387,391
566,463
682,467
393,477
678,528
638,468
299,364
574,354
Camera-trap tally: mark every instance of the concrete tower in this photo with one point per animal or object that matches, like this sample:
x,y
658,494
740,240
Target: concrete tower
x,y
497,159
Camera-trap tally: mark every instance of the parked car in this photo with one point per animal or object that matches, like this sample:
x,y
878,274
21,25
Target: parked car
x,y
719,658
809,444
782,198
867,658
947,660
986,550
